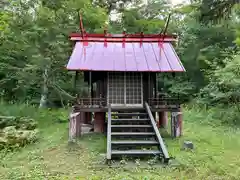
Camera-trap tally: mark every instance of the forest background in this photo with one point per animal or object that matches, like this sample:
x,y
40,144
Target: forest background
x,y
35,47
36,90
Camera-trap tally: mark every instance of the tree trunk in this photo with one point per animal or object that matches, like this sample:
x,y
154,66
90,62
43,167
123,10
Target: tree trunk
x,y
44,96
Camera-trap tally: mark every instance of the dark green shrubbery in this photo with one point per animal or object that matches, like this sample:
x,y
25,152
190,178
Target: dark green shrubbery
x,y
18,122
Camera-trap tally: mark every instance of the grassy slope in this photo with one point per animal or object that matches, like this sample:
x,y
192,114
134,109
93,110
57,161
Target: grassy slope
x,y
216,155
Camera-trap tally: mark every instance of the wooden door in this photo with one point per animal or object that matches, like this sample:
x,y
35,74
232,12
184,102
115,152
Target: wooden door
x,y
125,89
134,90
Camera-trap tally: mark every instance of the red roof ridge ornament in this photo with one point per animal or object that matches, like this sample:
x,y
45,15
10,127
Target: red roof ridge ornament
x,y
163,33
83,32
85,37
123,43
141,41
105,34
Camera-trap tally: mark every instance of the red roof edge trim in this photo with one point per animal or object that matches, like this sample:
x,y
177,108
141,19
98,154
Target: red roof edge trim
x,y
124,35
127,40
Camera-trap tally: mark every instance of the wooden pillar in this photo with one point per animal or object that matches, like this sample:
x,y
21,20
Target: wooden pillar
x,y
162,119
99,121
88,118
89,83
82,117
155,85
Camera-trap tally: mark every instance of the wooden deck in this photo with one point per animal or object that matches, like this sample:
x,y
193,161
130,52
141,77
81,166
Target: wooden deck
x,y
100,105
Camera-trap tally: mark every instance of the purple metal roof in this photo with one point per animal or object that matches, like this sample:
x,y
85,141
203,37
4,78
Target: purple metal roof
x,y
150,57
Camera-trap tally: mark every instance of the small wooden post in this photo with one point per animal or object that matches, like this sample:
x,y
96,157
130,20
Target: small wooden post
x,y
99,121
176,124
180,116
74,127
163,119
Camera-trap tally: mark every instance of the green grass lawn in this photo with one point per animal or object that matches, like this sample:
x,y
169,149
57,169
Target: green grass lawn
x,y
216,155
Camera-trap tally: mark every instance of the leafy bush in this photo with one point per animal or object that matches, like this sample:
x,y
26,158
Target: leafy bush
x,y
18,122
17,131
224,84
10,137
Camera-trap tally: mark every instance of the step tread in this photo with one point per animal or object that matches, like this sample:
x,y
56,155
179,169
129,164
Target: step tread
x,y
131,125
133,114
133,133
144,119
134,142
137,152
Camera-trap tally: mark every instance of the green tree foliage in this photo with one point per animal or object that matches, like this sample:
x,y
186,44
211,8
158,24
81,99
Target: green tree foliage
x,y
35,47
116,5
224,83
215,10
